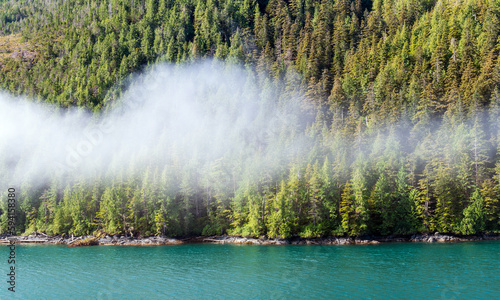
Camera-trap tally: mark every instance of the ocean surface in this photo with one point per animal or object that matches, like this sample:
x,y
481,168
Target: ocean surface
x,y
204,271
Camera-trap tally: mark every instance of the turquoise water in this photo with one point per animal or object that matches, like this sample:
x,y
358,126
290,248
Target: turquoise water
x,y
399,271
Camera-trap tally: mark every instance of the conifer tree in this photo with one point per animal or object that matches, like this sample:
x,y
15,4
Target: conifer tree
x,y
474,218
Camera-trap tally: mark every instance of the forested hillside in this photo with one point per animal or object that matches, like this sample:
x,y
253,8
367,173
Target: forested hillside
x,y
406,98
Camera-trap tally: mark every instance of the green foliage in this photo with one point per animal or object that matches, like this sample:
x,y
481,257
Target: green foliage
x,y
407,107
474,216
347,209
280,220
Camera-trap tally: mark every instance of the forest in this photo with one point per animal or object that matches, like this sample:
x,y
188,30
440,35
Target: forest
x,y
403,98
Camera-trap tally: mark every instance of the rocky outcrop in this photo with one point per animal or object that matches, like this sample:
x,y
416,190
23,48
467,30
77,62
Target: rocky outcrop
x,y
91,240
224,239
129,241
367,240
24,55
294,241
439,238
116,240
35,239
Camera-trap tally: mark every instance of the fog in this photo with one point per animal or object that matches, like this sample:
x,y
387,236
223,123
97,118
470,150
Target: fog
x,y
220,124
193,116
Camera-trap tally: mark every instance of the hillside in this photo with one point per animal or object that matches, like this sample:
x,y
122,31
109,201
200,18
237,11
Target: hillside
x,y
406,98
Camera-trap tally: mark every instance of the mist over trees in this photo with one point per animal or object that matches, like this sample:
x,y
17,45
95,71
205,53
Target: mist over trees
x,y
404,98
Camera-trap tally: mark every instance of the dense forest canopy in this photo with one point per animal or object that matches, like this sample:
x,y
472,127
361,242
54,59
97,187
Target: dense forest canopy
x,y
404,97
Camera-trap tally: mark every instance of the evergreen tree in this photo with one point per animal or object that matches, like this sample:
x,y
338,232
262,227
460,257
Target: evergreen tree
x,y
473,221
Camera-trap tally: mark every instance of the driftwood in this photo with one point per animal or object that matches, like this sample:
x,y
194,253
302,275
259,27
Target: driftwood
x,y
213,240
75,240
90,241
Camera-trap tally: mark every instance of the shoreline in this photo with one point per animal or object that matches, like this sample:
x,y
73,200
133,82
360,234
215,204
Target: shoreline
x,y
120,240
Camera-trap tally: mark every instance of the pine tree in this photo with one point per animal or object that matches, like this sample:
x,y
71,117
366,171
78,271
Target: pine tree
x,y
383,207
406,215
359,186
280,220
474,217
491,204
347,209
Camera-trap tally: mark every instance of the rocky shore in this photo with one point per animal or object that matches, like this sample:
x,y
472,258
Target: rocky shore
x,y
365,240
225,239
104,241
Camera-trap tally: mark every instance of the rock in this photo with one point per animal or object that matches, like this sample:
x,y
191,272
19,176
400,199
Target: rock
x,y
365,242
360,242
23,54
419,238
344,241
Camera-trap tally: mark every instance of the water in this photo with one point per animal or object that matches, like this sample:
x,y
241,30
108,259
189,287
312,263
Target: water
x,y
399,271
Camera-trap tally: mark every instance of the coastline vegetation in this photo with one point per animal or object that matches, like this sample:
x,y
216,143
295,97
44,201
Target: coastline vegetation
x,y
407,97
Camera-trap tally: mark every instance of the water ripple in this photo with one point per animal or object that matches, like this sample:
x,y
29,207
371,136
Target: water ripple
x,y
393,271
